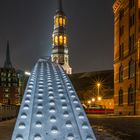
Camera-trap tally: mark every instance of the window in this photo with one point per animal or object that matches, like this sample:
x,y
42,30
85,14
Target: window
x,y
65,40
6,95
9,74
130,95
56,21
131,3
9,79
60,40
121,13
121,51
131,20
60,21
121,74
131,42
120,97
64,22
56,40
131,69
121,30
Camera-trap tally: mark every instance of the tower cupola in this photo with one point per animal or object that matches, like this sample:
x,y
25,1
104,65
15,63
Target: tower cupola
x,y
59,38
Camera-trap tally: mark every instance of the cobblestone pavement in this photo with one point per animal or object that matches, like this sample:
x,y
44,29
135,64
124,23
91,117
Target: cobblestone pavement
x,y
115,127
105,127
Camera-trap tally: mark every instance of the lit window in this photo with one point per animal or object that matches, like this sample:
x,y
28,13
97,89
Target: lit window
x,y
61,40
56,21
9,79
56,40
65,40
6,90
6,95
64,21
9,74
60,21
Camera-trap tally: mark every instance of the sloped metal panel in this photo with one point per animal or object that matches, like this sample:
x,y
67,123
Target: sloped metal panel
x,y
50,108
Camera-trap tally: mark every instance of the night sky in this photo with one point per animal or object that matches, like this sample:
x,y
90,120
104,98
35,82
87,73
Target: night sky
x,y
28,25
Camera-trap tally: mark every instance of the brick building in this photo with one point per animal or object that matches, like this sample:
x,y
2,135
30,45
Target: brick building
x,y
127,56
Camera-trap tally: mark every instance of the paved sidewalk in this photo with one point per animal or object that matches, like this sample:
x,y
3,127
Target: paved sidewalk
x,y
6,128
116,127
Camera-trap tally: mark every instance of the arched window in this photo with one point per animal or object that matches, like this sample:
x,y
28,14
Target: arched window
x,y
65,40
56,21
130,95
131,70
60,40
120,97
64,21
61,21
121,73
56,40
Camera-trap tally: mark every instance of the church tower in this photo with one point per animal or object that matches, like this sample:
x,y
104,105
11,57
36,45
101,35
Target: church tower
x,y
7,63
59,37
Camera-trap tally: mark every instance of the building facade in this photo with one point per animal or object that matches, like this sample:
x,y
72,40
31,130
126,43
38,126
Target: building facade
x,y
127,57
59,39
9,82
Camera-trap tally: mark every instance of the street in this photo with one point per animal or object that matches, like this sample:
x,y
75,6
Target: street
x,y
105,127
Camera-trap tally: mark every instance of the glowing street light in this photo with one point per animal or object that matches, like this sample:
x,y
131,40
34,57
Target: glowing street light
x,y
93,99
99,98
98,85
27,73
89,102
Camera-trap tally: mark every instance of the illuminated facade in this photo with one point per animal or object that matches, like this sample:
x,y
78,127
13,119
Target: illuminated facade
x,y
127,56
9,82
59,39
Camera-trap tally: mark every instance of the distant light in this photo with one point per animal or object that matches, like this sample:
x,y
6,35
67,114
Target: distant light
x,y
98,84
93,99
99,98
89,102
27,73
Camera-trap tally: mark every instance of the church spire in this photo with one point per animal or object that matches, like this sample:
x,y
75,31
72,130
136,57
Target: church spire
x,y
60,5
7,63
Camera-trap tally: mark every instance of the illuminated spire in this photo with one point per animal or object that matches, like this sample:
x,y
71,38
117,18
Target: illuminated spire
x,y
8,63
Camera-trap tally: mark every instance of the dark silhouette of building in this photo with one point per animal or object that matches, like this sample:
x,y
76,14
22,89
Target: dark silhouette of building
x,y
9,82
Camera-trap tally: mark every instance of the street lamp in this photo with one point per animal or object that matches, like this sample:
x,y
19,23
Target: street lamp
x,y
98,85
89,102
99,98
93,99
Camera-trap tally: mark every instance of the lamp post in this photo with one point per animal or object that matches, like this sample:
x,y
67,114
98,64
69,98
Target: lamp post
x,y
98,86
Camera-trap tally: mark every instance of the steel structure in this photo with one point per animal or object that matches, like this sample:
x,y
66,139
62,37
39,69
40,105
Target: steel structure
x,y
50,108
